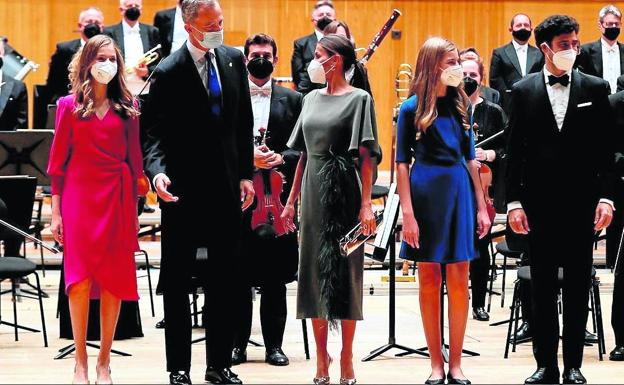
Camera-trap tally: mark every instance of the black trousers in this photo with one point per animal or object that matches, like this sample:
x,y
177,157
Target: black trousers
x,y
12,246
571,247
479,273
614,231
617,309
272,317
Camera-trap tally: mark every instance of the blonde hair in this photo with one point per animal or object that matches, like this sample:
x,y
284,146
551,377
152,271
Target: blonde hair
x,y
425,84
122,101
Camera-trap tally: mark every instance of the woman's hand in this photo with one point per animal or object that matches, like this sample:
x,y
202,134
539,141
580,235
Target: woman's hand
x,y
411,232
367,219
56,227
287,216
483,223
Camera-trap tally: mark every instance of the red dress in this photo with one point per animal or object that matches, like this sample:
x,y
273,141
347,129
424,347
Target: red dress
x,y
94,165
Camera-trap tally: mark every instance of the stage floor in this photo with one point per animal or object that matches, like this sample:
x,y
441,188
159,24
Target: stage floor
x,y
27,361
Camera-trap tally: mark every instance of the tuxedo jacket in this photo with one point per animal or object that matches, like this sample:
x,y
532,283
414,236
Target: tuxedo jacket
x,y
589,60
617,106
149,36
505,67
58,84
548,169
164,20
13,104
303,53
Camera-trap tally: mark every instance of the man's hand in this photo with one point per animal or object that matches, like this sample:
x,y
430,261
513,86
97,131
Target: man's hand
x,y
266,159
518,221
141,70
161,183
246,193
604,215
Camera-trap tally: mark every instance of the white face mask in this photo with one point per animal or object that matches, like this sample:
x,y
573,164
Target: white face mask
x,y
210,40
564,60
452,76
104,71
317,72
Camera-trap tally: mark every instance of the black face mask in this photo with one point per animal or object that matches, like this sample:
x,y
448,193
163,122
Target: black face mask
x,y
470,85
91,30
260,68
133,13
1,62
323,22
612,33
521,34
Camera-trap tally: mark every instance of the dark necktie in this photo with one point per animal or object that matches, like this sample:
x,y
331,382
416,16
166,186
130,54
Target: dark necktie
x,y
563,80
214,89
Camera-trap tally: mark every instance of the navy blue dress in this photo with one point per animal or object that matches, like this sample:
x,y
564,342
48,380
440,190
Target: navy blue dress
x,y
441,188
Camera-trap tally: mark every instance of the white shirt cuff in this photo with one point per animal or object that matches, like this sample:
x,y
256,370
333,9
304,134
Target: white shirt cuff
x,y
607,201
156,178
513,205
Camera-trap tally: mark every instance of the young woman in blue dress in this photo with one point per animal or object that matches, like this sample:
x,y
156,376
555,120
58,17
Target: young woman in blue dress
x,y
441,196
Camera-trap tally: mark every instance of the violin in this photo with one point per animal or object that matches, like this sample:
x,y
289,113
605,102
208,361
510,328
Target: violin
x,y
143,185
485,176
268,185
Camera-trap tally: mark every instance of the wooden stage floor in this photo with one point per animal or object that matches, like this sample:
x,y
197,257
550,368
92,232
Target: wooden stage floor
x,y
27,361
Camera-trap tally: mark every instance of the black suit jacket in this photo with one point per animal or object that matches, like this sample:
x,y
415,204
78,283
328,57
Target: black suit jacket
x,y
505,68
164,20
149,36
545,168
490,94
617,105
303,53
589,60
57,84
13,104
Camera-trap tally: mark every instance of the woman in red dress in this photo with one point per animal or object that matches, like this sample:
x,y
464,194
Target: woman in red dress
x,y
94,165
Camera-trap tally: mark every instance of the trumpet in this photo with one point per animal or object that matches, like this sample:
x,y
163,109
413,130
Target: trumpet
x,y
148,58
355,238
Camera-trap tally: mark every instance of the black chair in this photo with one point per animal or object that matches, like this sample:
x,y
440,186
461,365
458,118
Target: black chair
x,y
502,248
13,269
524,274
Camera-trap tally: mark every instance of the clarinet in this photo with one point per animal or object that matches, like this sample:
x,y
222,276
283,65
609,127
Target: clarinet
x,y
380,36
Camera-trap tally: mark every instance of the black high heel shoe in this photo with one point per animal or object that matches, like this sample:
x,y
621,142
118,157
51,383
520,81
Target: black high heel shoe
x,y
435,381
452,380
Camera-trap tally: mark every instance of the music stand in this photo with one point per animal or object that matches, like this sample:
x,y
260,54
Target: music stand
x,y
26,152
384,241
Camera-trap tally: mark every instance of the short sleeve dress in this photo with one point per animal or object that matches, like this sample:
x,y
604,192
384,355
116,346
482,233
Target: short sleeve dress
x,y
330,129
442,193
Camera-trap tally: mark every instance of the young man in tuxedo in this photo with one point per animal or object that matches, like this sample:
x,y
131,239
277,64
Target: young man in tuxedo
x,y
515,60
323,13
605,57
199,124
171,29
270,261
555,115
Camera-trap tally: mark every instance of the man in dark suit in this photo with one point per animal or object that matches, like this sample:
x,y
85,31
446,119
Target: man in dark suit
x,y
90,23
134,39
171,29
270,261
323,13
199,124
617,315
515,60
13,100
559,206
605,57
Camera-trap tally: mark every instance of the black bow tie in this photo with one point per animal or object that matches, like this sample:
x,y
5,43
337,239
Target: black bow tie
x,y
563,80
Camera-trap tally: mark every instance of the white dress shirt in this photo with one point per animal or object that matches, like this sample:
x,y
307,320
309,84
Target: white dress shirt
x,y
559,97
133,45
319,34
261,105
1,80
179,33
610,63
521,52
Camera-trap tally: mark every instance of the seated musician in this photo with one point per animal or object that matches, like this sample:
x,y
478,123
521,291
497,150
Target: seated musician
x,y
13,100
271,262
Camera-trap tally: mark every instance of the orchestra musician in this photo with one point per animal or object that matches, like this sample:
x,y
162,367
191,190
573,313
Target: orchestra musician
x,y
171,29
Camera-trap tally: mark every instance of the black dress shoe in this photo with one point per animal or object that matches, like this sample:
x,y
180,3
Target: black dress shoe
x,y
452,380
148,209
480,314
276,357
590,338
523,334
544,376
239,356
573,376
617,354
435,381
222,376
179,378
160,324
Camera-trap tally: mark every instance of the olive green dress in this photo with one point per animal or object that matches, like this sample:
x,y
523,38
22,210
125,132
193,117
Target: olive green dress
x,y
331,128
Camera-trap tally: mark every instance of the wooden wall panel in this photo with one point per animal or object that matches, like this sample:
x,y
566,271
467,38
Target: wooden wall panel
x,y
35,26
